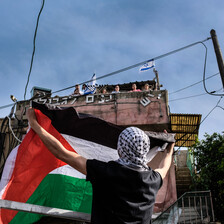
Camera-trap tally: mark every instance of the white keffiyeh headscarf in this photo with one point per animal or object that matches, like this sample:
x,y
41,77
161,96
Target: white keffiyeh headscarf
x,y
133,146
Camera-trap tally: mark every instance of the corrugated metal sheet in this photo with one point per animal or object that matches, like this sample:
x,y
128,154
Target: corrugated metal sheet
x,y
186,127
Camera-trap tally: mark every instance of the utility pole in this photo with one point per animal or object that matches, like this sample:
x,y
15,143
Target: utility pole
x,y
218,54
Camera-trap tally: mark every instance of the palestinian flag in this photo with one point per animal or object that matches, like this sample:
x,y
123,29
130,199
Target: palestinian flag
x,y
33,175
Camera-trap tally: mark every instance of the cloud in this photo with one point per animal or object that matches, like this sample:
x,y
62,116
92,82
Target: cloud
x,y
77,38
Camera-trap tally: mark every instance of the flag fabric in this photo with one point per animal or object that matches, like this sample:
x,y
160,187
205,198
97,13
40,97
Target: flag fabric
x,y
148,65
93,80
33,175
91,86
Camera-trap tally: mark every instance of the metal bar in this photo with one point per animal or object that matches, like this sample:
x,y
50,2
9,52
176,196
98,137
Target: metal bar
x,y
196,198
189,203
185,125
195,207
201,209
173,218
42,210
206,204
183,208
196,192
213,216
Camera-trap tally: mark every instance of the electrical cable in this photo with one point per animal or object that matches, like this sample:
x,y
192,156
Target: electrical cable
x,y
217,105
220,107
210,93
34,43
10,127
9,105
212,109
206,49
136,65
193,84
12,143
187,97
4,126
3,130
124,69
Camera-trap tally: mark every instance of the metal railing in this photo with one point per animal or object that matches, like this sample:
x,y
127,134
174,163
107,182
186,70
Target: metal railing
x,y
190,208
46,211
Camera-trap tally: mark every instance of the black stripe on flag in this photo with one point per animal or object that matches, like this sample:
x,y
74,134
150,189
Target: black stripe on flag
x,y
68,121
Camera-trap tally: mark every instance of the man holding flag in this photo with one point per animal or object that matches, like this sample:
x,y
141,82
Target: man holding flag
x,y
124,190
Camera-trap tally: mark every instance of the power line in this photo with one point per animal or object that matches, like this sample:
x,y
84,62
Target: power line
x,y
138,64
187,97
115,72
193,84
210,93
172,100
34,43
217,105
220,107
9,105
10,127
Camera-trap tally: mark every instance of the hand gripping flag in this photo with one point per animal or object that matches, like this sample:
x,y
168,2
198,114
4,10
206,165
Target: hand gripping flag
x,y
33,175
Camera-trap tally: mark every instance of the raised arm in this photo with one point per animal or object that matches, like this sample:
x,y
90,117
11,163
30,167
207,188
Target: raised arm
x,y
165,158
54,146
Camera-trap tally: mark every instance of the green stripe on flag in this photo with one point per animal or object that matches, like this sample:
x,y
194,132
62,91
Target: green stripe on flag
x,y
59,191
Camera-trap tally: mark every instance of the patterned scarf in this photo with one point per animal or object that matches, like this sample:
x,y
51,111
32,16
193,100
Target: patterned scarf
x,y
133,146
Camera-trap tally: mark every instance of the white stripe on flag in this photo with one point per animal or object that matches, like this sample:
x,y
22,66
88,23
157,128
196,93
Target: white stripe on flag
x,y
8,170
91,150
87,149
150,64
68,171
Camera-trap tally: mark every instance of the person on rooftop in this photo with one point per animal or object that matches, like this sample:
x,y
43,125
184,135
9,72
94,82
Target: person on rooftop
x,y
134,88
104,90
84,89
147,87
77,90
124,191
116,89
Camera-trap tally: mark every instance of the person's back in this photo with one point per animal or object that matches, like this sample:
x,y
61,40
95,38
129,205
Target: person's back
x,y
122,194
124,190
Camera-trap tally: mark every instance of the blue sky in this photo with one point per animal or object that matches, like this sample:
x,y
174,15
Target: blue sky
x,y
77,38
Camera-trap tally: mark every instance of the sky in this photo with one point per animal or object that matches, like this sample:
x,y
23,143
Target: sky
x,y
78,38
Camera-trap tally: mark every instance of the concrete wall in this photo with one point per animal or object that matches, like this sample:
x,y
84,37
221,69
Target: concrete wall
x,y
147,110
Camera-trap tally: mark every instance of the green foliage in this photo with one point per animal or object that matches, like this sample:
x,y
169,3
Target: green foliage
x,y
209,169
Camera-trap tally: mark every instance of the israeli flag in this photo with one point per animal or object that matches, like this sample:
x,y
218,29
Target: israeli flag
x,y
91,86
148,65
